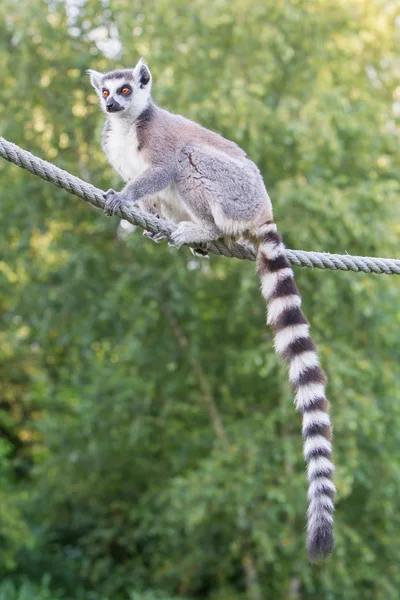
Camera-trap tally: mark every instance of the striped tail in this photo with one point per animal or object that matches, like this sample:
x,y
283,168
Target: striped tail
x,y
294,344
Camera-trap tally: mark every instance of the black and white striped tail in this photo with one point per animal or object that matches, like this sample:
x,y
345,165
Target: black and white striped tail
x,y
294,344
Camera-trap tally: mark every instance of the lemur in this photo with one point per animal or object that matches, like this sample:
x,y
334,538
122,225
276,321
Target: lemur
x,y
211,189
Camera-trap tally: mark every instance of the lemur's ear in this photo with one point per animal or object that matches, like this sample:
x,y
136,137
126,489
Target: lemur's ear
x,y
142,74
95,78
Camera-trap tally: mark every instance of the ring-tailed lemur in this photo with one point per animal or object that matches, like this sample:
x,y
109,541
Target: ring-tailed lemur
x,y
208,185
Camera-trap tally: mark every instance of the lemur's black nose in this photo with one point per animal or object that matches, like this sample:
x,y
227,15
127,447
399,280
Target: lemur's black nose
x,y
113,106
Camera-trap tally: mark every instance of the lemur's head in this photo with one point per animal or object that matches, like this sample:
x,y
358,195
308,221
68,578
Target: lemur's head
x,y
125,92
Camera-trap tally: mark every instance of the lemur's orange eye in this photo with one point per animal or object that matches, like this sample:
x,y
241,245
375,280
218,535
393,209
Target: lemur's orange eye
x,y
125,91
106,93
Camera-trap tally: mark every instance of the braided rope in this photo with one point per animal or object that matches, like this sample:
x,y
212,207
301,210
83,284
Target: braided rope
x,y
91,194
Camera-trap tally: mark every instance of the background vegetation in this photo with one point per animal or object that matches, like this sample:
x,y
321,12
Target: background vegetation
x,y
149,445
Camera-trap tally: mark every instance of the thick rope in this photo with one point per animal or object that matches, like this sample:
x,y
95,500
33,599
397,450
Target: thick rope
x,y
89,193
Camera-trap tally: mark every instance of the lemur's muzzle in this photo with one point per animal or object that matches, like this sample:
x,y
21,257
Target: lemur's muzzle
x,y
113,106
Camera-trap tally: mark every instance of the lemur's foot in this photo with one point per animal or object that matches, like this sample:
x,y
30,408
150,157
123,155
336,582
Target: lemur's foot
x,y
156,237
113,202
192,233
201,250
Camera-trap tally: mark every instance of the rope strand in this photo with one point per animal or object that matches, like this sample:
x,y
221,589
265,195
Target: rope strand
x,y
91,194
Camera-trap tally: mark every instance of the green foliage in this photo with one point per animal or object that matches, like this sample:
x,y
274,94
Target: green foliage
x,y
13,528
26,590
120,359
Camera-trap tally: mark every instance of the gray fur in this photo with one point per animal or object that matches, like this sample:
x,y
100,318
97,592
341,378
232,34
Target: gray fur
x,y
206,184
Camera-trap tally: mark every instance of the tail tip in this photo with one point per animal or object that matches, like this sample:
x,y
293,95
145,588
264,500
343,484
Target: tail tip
x,y
320,543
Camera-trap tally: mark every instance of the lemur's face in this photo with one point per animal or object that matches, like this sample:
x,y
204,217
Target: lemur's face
x,y
125,92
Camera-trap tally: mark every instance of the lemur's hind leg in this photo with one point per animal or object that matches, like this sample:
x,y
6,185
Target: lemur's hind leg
x,y
193,233
160,236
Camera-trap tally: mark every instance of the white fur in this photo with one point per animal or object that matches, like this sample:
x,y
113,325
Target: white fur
x,y
122,149
95,78
320,505
316,442
320,464
277,306
270,281
290,334
139,103
264,229
318,486
300,363
307,393
271,250
315,417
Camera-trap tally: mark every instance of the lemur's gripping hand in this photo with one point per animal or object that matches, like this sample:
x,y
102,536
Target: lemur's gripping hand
x,y
114,201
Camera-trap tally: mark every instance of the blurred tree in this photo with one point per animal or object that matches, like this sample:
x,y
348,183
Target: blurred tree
x,y
151,437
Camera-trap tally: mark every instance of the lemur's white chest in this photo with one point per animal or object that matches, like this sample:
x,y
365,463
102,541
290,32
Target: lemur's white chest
x,y
122,150
121,147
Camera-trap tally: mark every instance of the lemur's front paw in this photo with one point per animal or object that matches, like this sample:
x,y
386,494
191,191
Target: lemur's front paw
x,y
113,202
